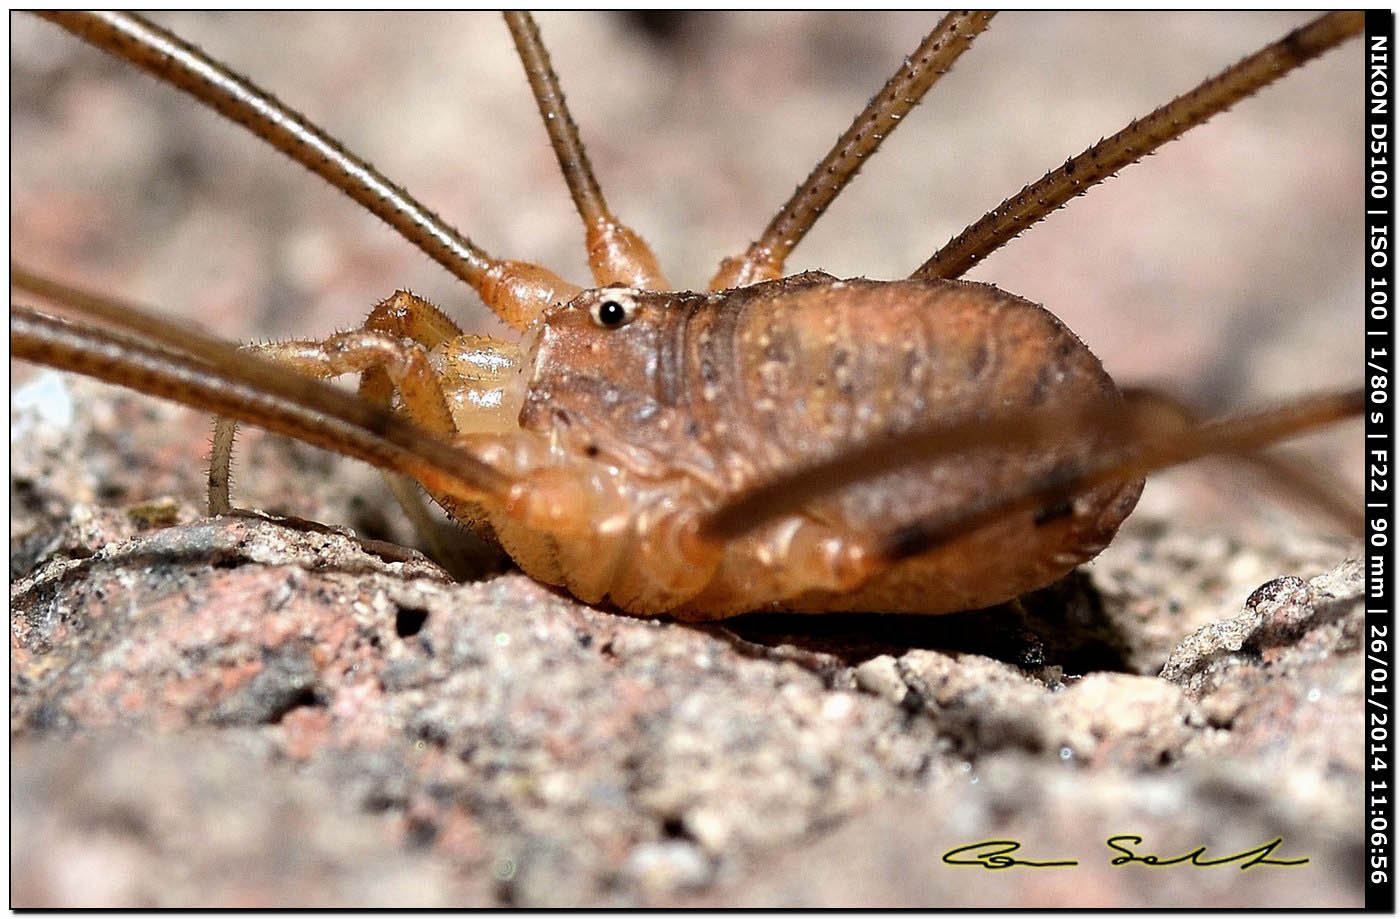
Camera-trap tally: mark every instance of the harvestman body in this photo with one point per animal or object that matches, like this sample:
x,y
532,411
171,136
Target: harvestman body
x,y
800,443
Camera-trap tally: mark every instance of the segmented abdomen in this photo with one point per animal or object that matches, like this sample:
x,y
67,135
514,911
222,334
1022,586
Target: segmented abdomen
x,y
792,371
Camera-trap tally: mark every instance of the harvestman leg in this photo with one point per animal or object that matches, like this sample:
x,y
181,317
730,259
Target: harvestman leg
x,y
1146,435
765,256
517,292
1001,224
1149,453
616,254
146,353
954,34
390,352
1104,159
1297,477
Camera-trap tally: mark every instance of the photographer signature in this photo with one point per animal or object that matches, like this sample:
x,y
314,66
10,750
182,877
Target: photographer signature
x,y
996,854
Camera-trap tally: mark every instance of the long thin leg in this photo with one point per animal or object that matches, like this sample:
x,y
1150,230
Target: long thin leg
x,y
935,55
791,492
1294,476
1140,437
265,395
616,254
404,365
1236,434
184,353
396,362
197,349
515,291
389,352
1018,213
128,316
221,466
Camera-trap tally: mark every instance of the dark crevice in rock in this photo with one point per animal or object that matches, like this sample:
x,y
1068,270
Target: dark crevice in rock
x,y
408,621
1064,625
286,682
304,698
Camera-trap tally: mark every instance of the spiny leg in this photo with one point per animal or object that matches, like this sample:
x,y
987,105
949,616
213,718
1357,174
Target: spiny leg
x,y
386,363
390,352
1293,476
128,316
1142,436
616,254
792,491
1079,173
407,317
516,291
935,55
297,407
1235,435
143,351
404,364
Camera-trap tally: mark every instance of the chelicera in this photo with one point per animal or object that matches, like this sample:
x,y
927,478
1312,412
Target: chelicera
x,y
804,442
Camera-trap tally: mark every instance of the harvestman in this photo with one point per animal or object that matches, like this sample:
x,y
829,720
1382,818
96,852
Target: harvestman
x,y
800,443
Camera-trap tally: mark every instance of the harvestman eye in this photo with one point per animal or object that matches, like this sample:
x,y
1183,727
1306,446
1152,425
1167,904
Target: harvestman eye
x,y
614,312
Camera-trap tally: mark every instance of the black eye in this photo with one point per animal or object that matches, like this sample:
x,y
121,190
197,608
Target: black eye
x,y
615,311
611,313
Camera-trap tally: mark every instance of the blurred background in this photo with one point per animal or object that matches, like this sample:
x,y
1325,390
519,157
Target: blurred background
x,y
1226,268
